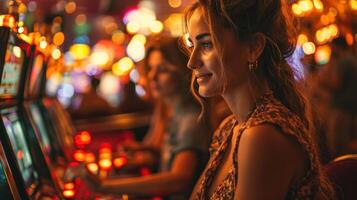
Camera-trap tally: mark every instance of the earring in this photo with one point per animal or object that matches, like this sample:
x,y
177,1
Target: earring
x,y
252,66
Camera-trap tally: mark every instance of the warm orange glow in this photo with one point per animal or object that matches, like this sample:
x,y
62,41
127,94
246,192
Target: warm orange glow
x,y
302,38
119,162
20,155
93,167
309,48
324,19
80,51
79,155
90,157
118,37
58,38
333,30
105,150
83,138
81,19
105,164
70,7
21,30
56,54
43,44
296,9
318,5
323,54
156,26
7,21
123,66
175,3
349,39
353,4
305,5
68,193
68,186
132,27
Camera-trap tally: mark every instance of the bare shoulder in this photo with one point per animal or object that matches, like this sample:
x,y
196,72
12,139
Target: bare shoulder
x,y
265,143
269,162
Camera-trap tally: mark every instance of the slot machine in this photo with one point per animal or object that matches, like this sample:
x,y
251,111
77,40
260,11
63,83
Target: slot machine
x,y
8,189
31,176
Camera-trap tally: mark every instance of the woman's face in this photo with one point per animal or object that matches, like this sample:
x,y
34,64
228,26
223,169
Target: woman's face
x,y
207,64
204,60
162,76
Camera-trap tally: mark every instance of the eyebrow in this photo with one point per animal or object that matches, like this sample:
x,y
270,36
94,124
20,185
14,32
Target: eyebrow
x,y
203,35
199,37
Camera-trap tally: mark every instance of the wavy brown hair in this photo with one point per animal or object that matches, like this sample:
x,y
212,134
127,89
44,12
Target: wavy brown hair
x,y
245,18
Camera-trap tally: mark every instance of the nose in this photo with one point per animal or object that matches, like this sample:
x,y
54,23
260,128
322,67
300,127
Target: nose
x,y
194,62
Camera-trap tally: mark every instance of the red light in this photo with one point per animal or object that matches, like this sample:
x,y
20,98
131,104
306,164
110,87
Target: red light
x,y
90,157
83,138
20,155
73,164
7,21
144,171
79,155
68,193
105,164
156,198
119,162
68,186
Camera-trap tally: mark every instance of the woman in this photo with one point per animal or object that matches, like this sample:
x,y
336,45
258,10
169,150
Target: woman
x,y
185,142
264,150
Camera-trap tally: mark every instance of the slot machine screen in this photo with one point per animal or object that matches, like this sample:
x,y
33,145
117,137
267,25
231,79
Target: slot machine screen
x,y
44,137
5,190
35,77
10,77
20,148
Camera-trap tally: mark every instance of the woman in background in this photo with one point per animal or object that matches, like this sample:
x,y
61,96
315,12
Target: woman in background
x,y
183,140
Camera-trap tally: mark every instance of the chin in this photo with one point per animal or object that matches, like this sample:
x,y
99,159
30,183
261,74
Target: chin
x,y
205,92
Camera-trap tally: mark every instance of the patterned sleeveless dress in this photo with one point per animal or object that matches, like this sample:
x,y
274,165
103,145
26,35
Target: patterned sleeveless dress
x,y
266,110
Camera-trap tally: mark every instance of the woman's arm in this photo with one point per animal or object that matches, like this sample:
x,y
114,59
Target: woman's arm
x,y
177,180
269,161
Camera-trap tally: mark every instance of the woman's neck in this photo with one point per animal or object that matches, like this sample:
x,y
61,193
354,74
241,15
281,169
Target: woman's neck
x,y
241,99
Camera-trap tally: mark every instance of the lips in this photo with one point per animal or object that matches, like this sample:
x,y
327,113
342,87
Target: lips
x,y
202,77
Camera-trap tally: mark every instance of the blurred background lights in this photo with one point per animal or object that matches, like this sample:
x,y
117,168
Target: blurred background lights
x,y
140,38
123,66
323,54
99,58
80,51
17,51
56,54
134,75
118,37
156,26
58,38
309,48
70,7
302,38
43,44
136,50
175,3
66,90
140,91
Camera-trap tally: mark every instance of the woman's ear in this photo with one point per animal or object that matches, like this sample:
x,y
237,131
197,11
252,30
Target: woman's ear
x,y
257,45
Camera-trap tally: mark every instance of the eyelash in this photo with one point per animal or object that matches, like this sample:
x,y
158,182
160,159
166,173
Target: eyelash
x,y
206,45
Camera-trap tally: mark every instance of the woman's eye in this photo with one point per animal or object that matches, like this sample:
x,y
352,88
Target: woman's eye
x,y
207,45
